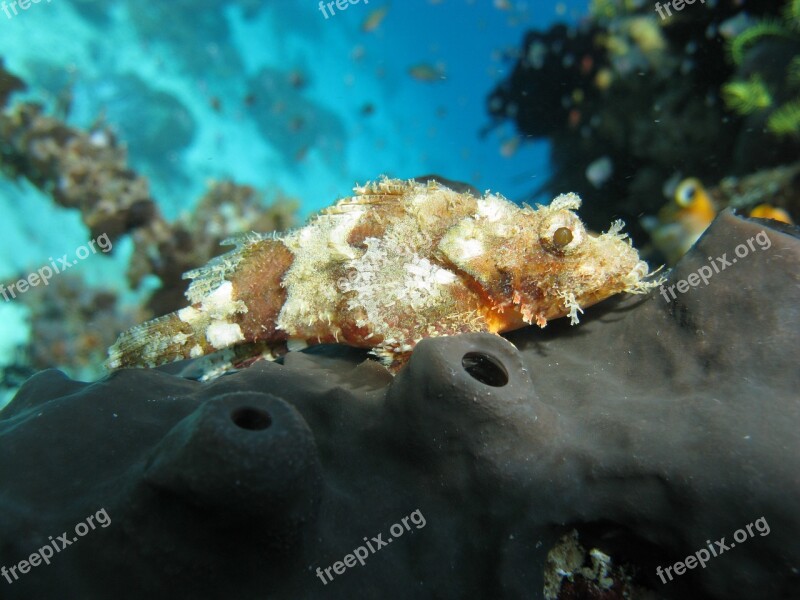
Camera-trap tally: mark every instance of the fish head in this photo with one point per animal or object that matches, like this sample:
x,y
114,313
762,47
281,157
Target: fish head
x,y
691,202
533,265
569,267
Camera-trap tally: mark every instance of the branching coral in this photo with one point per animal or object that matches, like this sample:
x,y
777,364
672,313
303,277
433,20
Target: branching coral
x,y
79,169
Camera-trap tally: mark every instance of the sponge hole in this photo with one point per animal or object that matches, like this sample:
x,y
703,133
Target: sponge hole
x,y
485,368
252,419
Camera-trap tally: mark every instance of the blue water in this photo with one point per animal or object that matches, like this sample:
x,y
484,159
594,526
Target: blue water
x,y
269,94
417,127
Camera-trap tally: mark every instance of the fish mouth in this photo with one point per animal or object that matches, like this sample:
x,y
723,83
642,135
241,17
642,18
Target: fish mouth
x,y
636,281
638,272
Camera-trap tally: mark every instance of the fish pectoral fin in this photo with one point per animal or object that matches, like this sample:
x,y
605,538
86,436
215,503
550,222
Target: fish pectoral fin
x,y
211,366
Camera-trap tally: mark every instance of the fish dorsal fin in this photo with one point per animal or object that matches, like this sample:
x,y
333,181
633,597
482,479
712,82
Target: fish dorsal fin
x,y
384,194
210,276
391,197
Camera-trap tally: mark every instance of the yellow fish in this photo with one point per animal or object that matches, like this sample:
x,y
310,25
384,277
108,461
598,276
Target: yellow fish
x,y
692,202
767,211
426,72
397,262
681,222
374,19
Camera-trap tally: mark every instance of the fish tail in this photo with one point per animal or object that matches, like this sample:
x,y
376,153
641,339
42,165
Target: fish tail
x,y
165,339
235,301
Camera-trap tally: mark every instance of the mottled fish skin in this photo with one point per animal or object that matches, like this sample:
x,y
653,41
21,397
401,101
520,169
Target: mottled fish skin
x,y
397,262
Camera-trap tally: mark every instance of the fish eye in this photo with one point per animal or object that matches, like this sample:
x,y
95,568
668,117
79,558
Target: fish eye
x,y
562,236
561,233
685,193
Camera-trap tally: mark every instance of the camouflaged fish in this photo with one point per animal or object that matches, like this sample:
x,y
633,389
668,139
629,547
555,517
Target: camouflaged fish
x,y
397,262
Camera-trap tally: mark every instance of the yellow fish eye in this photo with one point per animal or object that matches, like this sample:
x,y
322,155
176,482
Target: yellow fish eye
x,y
562,236
686,192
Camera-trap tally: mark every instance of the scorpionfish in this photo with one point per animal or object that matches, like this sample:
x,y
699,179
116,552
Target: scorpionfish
x,y
396,262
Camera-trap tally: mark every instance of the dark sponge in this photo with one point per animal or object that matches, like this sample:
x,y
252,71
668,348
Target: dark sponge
x,y
650,428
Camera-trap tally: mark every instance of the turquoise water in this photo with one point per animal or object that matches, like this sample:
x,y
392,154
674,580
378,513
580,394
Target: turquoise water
x,y
268,94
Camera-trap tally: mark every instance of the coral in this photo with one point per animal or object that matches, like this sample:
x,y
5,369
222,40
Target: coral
x,y
612,9
539,65
791,13
785,120
654,427
72,325
228,208
793,72
9,83
604,107
741,44
83,170
745,97
573,572
88,170
782,116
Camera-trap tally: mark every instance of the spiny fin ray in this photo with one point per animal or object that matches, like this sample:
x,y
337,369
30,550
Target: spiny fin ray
x,y
207,278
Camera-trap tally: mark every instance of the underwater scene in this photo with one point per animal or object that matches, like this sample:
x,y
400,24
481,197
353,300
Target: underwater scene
x,y
383,299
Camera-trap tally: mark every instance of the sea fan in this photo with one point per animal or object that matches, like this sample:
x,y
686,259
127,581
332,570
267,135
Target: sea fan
x,y
764,28
791,13
746,97
793,72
